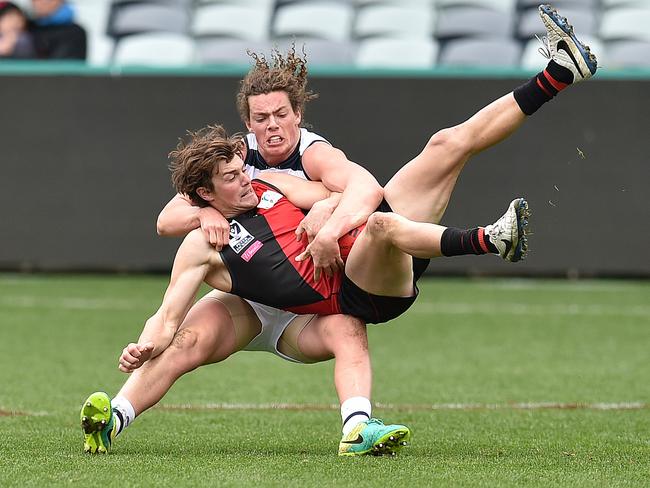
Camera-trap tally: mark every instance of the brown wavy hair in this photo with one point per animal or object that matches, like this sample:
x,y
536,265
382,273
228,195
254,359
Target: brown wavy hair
x,y
196,159
286,73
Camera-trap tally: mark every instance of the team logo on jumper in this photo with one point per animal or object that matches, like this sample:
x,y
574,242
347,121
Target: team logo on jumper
x,y
268,199
239,237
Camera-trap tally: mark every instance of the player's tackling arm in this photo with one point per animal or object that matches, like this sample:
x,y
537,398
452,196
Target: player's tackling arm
x,y
191,264
302,193
180,216
361,195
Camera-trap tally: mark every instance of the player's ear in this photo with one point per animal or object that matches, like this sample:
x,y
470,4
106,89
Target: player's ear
x,y
299,116
205,194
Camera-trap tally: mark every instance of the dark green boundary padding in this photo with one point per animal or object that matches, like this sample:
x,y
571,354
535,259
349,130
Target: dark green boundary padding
x,y
40,68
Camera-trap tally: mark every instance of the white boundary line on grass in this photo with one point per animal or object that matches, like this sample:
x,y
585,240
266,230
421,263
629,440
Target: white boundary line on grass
x,y
416,407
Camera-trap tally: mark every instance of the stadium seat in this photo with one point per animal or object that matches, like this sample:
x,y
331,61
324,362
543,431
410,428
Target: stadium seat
x,y
227,51
92,15
480,52
396,53
321,52
155,49
625,23
134,18
280,3
500,5
606,4
239,21
397,3
99,50
325,20
628,54
560,5
394,21
473,21
583,20
532,59
246,3
178,3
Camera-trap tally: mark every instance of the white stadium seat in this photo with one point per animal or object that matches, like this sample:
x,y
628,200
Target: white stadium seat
x,y
325,20
397,53
393,20
480,52
229,20
155,49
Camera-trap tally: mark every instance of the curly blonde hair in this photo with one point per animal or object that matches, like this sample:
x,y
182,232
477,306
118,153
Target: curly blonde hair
x,y
286,73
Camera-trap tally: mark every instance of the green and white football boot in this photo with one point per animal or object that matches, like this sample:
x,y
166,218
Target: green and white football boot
x,y
97,423
374,438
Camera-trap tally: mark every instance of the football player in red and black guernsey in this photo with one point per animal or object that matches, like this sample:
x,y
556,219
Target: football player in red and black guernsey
x,y
264,262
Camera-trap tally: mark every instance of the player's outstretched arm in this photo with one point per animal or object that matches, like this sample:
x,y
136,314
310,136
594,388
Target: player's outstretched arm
x,y
180,216
192,263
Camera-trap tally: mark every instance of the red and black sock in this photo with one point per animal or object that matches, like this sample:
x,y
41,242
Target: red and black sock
x,y
457,242
543,87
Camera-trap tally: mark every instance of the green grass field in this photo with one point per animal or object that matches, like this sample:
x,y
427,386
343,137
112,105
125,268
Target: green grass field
x,y
503,382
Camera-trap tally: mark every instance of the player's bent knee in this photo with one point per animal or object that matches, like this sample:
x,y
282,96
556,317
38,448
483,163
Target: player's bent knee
x,y
381,225
453,141
186,352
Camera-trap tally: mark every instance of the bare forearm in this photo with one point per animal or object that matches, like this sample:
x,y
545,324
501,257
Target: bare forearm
x,y
178,218
356,203
159,332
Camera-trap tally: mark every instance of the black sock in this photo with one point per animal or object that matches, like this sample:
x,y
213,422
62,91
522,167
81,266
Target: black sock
x,y
542,87
457,242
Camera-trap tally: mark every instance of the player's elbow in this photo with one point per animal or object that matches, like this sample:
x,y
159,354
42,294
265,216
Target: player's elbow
x,y
370,192
376,194
163,227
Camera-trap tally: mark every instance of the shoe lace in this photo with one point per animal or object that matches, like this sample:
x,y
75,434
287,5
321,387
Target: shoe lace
x,y
545,49
497,228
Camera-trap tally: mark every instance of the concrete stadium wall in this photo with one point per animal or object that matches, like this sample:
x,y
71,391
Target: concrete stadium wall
x,y
84,165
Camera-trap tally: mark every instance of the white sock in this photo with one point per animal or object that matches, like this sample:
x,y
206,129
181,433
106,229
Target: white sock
x,y
124,413
353,411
